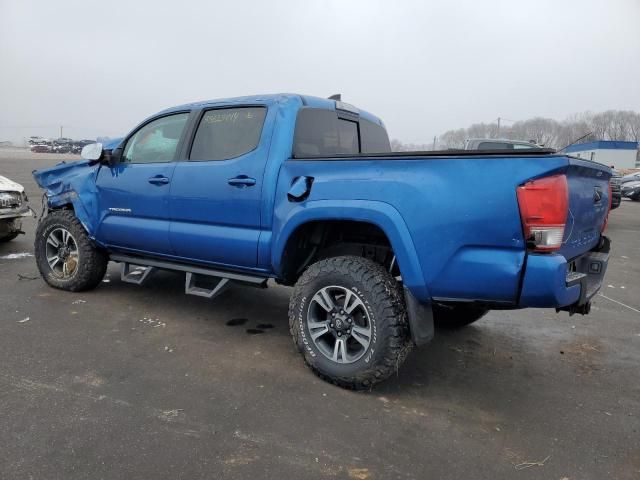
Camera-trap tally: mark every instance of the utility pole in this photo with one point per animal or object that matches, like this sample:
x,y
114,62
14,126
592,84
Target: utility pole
x,y
61,129
498,127
434,143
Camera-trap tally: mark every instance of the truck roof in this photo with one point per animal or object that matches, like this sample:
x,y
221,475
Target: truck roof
x,y
270,99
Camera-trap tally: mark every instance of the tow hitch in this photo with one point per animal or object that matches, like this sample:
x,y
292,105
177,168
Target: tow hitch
x,y
588,272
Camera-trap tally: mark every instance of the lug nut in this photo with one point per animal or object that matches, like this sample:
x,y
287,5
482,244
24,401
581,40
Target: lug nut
x,y
339,334
341,312
331,325
333,314
350,320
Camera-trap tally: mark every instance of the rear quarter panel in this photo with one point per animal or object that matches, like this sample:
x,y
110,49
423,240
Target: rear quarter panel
x,y
457,219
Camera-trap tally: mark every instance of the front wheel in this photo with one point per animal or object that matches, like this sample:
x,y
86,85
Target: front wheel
x,y
348,320
65,255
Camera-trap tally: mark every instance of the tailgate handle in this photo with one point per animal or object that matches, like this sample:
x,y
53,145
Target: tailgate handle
x,y
597,194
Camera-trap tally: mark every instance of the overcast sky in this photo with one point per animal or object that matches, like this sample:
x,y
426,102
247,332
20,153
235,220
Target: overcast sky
x,y
99,67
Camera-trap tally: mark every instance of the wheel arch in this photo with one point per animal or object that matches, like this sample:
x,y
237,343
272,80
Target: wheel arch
x,y
379,215
71,201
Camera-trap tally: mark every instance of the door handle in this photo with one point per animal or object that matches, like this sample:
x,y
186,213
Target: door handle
x,y
242,181
159,180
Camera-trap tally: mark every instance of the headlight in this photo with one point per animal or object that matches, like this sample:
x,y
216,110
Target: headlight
x,y
10,199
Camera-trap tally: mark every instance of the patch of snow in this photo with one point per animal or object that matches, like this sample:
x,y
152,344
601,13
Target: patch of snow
x,y
14,256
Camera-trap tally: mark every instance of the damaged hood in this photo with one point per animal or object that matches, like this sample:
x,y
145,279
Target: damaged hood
x,y
7,185
55,178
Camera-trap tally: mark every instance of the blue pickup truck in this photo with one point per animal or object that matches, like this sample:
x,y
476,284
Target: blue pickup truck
x,y
378,245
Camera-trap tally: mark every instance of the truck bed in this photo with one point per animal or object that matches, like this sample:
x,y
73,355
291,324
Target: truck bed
x,y
459,209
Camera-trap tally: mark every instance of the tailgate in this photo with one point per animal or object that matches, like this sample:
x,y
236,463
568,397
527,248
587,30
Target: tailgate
x,y
588,206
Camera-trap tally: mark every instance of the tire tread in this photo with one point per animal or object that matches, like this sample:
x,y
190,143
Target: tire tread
x,y
93,262
384,289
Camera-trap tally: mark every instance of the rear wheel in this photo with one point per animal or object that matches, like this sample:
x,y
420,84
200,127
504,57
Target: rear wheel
x,y
457,316
65,255
348,320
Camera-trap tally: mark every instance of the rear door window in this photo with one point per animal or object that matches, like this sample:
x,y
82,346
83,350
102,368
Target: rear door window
x,y
227,133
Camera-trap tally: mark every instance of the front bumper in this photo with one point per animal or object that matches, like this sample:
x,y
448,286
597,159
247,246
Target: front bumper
x,y
22,211
552,282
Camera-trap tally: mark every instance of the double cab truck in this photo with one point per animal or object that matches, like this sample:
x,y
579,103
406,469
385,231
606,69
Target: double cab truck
x,y
378,246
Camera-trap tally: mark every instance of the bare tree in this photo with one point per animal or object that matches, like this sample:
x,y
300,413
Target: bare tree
x,y
453,138
608,125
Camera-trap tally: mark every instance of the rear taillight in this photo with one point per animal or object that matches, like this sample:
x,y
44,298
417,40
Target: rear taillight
x,y
606,219
543,209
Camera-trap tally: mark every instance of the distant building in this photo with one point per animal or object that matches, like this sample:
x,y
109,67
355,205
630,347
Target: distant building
x,y
622,155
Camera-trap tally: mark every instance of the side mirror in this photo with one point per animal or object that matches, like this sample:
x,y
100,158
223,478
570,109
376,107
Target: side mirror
x,y
113,157
93,151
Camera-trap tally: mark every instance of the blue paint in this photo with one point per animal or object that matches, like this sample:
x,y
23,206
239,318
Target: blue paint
x,y
544,283
453,222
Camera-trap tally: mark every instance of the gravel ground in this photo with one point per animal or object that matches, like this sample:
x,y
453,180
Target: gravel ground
x,y
145,382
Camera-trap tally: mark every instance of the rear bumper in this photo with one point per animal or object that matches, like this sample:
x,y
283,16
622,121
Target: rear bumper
x,y
616,199
552,282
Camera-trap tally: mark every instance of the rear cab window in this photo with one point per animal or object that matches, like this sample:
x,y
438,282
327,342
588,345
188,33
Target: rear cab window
x,y
323,132
227,133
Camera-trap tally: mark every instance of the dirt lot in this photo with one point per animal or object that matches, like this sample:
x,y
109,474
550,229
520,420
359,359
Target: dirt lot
x,y
145,382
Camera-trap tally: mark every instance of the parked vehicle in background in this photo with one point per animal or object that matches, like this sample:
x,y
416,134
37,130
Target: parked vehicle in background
x,y
631,177
498,144
36,140
306,191
631,190
41,148
62,148
616,190
13,208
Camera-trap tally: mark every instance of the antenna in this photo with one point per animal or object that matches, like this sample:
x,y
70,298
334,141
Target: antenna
x,y
575,141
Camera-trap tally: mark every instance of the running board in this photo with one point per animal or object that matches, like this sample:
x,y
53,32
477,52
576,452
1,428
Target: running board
x,y
190,287
136,270
136,275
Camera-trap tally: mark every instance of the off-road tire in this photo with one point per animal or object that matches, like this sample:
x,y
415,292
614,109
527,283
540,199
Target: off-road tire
x,y
9,237
456,316
390,342
92,262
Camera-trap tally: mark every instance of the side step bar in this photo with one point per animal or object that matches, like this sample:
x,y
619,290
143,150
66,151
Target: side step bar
x,y
136,270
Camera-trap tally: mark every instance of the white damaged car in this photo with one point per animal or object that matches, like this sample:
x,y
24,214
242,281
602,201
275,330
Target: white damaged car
x,y
13,207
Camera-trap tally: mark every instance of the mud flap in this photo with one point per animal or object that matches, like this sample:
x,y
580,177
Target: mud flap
x,y
420,318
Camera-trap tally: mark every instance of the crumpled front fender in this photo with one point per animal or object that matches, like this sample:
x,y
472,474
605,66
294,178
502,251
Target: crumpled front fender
x,y
72,184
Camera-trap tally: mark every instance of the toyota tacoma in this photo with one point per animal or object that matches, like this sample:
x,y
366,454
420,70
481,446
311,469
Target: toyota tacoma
x,y
377,245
